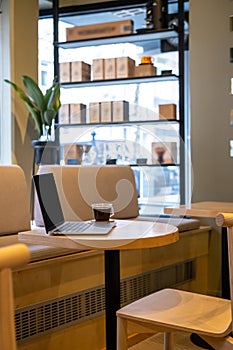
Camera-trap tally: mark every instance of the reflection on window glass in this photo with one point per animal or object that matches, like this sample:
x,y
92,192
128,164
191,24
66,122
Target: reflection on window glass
x,y
44,76
45,52
231,54
231,23
231,148
157,185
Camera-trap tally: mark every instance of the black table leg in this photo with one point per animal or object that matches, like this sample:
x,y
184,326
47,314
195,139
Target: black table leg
x,y
225,266
112,295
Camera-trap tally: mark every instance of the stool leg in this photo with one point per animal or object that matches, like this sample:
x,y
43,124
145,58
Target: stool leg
x,y
121,334
168,341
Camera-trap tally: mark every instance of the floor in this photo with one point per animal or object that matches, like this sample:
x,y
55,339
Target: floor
x,y
182,341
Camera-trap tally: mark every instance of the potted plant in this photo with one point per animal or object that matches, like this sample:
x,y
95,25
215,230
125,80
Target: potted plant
x,y
43,108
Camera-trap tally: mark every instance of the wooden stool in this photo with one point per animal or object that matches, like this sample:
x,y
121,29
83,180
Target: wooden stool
x,y
172,310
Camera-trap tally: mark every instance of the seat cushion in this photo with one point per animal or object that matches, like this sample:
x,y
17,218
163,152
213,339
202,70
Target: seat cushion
x,y
181,223
80,186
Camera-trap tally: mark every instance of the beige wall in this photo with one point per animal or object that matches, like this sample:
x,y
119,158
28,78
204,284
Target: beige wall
x,y
24,61
210,72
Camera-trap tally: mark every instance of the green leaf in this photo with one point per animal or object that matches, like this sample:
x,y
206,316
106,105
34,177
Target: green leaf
x,y
34,92
36,117
52,97
43,108
20,92
54,101
49,115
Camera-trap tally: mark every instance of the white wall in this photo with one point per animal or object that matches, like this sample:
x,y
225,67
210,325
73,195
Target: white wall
x,y
210,73
211,102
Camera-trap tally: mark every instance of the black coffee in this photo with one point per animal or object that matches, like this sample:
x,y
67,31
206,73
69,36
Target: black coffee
x,y
102,214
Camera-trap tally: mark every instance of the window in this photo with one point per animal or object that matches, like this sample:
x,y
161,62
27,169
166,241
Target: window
x,y
5,112
143,99
45,48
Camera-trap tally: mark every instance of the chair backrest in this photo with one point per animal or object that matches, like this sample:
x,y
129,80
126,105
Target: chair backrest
x,y
80,186
226,220
11,257
14,201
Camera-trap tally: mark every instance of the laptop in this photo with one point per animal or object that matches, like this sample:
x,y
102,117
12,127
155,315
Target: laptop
x,y
52,214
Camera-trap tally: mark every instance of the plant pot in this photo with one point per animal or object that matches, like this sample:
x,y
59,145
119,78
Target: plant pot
x,y
45,152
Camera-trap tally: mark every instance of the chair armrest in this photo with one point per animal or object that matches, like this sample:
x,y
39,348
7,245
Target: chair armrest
x,y
224,219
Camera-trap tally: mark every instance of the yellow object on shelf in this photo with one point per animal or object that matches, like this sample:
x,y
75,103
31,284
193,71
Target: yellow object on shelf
x,y
146,60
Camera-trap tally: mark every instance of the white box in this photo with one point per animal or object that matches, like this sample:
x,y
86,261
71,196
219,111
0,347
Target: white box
x,y
80,71
120,111
98,69
106,112
77,113
64,72
94,112
145,70
99,30
64,113
110,68
125,67
167,111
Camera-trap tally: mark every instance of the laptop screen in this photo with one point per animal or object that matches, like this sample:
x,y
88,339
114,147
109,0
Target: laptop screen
x,y
49,201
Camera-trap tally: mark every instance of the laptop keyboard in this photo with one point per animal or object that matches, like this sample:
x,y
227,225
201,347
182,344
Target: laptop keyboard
x,y
73,226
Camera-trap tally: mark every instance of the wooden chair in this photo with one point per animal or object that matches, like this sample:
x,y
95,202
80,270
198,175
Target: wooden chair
x,y
14,200
172,310
11,257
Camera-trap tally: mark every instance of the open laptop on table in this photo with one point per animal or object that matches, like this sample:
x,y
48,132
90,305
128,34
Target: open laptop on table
x,y
52,212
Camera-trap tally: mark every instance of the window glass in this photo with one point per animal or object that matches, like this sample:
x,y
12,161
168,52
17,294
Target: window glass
x,y
5,102
156,185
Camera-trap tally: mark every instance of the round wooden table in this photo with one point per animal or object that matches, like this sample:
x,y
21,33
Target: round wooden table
x,y
128,234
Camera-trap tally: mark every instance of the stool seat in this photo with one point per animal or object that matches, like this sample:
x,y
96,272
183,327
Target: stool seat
x,y
183,311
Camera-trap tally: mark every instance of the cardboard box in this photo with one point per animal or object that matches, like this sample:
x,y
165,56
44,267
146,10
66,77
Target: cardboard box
x,y
94,112
98,69
110,68
99,30
64,72
78,113
64,113
80,71
164,152
106,112
125,67
167,111
72,154
145,70
120,111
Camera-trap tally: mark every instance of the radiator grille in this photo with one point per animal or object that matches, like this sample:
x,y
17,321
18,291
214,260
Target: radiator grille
x,y
41,318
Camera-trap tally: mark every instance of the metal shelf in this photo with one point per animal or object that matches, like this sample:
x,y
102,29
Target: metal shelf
x,y
132,38
125,123
151,42
154,165
134,80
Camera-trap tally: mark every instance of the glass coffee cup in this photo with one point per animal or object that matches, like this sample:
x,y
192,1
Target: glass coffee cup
x,y
102,211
